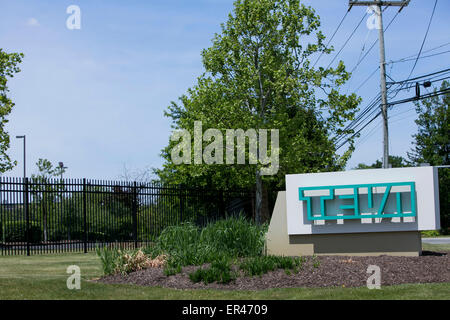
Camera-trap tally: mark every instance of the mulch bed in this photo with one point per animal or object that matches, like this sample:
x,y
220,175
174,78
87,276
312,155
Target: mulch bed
x,y
332,271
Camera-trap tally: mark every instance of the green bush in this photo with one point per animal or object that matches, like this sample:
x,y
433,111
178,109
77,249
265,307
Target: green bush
x,y
219,271
235,236
186,244
256,266
180,238
15,231
219,244
430,233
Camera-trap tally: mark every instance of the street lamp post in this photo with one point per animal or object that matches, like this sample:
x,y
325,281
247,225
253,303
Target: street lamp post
x,y
25,194
24,156
61,166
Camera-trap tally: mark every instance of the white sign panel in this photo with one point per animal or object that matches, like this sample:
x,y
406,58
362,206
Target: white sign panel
x,y
375,200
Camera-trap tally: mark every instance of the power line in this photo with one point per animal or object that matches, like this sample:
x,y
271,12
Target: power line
x,y
430,95
423,57
373,44
424,38
357,132
348,39
410,85
367,79
369,134
426,96
334,33
405,59
421,77
432,49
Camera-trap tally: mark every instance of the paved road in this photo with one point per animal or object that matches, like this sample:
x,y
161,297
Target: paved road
x,y
436,240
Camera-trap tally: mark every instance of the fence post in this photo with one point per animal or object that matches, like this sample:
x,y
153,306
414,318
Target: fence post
x,y
135,216
27,214
84,216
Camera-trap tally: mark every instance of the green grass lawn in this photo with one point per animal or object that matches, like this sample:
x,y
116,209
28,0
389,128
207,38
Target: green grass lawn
x,y
44,277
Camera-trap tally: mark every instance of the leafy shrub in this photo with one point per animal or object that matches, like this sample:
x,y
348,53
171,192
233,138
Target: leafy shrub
x,y
15,231
430,233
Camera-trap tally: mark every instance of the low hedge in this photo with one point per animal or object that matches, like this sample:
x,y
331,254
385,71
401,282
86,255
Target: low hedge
x,y
15,231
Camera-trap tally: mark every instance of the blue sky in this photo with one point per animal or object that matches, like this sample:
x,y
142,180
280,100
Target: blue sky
x,y
94,98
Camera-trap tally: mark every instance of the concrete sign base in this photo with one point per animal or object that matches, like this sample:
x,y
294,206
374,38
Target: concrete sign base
x,y
404,243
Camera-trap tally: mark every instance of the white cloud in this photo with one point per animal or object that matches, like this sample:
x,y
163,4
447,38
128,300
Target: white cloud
x,y
32,22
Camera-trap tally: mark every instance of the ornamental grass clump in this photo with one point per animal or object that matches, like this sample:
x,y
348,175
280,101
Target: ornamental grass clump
x,y
186,244
235,236
219,271
125,261
220,243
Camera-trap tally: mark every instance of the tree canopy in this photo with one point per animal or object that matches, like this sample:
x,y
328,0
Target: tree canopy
x,y
8,67
431,145
258,75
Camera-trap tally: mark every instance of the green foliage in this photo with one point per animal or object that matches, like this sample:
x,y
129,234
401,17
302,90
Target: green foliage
x,y
181,238
220,244
226,239
258,75
256,266
8,67
395,161
430,233
15,231
45,194
219,271
432,145
316,261
109,258
237,237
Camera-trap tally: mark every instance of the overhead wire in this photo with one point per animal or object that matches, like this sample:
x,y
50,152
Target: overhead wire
x,y
334,33
424,38
348,39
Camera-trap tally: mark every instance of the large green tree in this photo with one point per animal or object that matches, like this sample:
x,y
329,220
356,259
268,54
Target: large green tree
x,y
258,75
432,144
8,67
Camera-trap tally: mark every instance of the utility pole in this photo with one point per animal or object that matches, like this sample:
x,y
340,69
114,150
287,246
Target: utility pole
x,y
384,104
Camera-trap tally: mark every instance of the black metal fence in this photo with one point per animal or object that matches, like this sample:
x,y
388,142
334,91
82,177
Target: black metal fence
x,y
79,214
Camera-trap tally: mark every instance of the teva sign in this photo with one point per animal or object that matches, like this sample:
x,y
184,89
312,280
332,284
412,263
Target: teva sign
x,y
375,200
